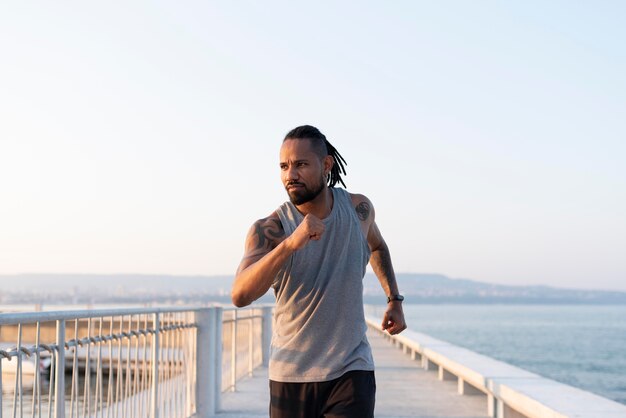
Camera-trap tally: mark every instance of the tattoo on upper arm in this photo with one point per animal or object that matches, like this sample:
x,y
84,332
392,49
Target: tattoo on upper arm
x,y
363,211
267,233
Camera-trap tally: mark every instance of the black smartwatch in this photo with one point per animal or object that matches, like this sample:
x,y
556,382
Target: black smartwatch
x,y
395,297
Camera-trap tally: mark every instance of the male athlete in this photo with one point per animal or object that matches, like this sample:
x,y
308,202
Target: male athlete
x,y
313,251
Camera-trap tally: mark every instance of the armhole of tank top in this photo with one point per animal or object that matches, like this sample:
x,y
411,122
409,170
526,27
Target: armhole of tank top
x,y
277,282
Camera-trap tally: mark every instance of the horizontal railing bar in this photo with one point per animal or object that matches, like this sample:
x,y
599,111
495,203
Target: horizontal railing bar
x,y
13,352
23,351
244,318
13,318
250,307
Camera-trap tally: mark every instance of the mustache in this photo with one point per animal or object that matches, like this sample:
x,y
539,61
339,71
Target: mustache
x,y
294,183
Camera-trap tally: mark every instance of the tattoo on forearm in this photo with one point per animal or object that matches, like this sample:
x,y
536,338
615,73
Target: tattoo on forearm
x,y
384,260
381,263
267,233
363,211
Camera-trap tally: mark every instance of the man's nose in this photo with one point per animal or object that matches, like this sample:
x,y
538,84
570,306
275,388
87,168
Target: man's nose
x,y
292,173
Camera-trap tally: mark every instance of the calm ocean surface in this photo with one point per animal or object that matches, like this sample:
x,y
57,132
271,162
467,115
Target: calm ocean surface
x,y
580,345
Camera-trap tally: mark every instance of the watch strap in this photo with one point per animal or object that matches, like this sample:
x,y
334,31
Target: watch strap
x,y
395,297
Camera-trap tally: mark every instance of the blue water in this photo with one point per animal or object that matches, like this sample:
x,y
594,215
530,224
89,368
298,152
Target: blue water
x,y
580,345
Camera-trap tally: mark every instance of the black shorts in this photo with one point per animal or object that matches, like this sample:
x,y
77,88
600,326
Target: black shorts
x,y
350,396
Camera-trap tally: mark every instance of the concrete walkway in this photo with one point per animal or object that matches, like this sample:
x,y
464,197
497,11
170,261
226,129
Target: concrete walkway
x,y
404,389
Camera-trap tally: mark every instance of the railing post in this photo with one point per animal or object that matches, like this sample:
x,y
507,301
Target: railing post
x,y
206,348
233,353
500,411
154,400
251,342
1,387
491,405
219,349
1,406
266,335
59,379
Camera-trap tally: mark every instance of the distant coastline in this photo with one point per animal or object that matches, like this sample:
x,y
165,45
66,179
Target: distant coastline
x,y
437,288
172,289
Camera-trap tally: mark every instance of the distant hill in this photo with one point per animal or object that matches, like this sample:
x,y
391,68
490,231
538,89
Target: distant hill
x,y
131,282
145,288
114,288
437,288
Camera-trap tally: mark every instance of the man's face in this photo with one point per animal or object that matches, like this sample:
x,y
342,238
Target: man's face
x,y
301,171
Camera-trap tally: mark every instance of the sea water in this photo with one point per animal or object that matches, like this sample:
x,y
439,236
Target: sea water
x,y
579,345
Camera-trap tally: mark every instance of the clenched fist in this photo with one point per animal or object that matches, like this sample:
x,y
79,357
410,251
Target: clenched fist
x,y
311,228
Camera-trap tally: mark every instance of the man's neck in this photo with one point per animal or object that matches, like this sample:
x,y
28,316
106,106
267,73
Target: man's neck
x,y
319,207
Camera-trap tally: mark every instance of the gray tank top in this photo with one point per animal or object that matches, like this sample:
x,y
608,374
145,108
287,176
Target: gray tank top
x,y
319,324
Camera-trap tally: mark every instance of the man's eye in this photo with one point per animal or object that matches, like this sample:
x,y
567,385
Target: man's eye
x,y
301,164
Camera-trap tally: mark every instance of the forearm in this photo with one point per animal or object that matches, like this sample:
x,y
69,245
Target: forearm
x,y
393,319
254,281
380,261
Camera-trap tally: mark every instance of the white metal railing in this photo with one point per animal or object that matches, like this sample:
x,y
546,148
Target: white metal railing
x,y
152,362
247,338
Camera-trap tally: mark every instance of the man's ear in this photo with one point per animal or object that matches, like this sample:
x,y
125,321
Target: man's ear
x,y
328,162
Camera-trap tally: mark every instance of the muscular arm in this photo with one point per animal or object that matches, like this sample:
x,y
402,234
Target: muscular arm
x,y
266,250
380,260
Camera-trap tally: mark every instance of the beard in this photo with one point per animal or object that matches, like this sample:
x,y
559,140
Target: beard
x,y
305,194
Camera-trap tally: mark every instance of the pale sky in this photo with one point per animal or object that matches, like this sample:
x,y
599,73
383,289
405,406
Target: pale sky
x,y
143,137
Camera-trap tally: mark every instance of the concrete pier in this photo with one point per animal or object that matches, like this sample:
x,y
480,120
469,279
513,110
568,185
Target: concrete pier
x,y
404,389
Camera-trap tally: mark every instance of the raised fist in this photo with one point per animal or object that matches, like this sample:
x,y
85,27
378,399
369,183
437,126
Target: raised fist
x,y
311,228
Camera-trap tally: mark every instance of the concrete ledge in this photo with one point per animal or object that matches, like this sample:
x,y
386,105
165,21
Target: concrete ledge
x,y
542,397
476,369
511,391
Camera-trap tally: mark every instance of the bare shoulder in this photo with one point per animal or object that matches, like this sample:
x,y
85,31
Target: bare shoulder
x,y
272,218
266,233
363,206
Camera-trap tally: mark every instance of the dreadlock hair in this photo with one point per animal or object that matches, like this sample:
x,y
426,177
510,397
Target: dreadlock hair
x,y
323,148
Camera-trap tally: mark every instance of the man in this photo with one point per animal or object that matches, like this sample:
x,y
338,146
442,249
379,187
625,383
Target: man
x,y
313,251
